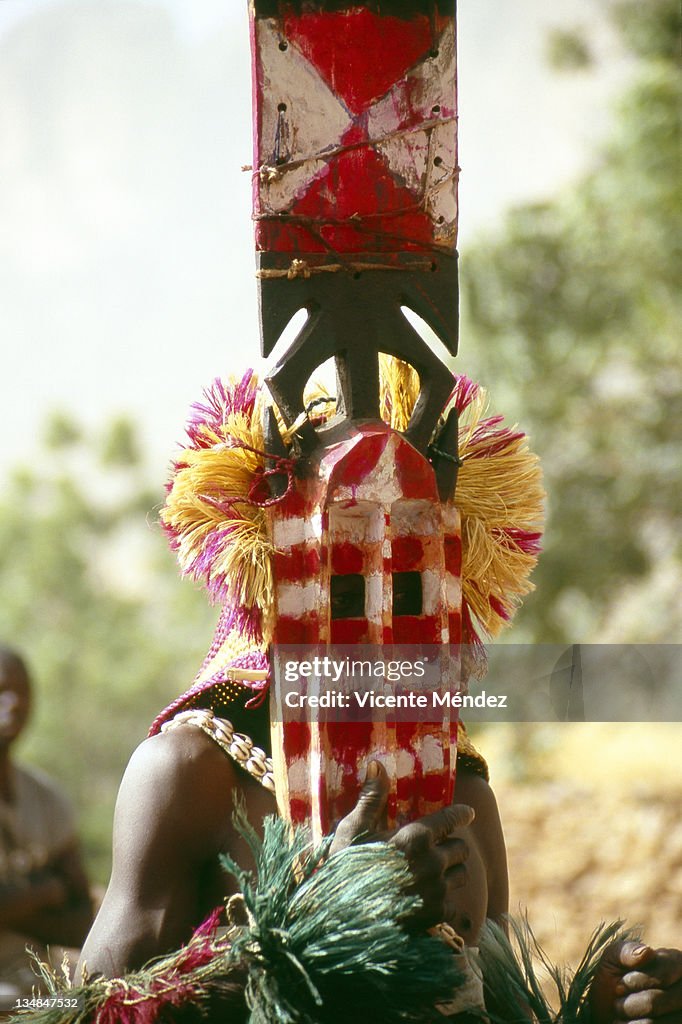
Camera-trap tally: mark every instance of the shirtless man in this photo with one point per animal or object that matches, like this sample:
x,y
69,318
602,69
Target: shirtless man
x,y
173,818
44,892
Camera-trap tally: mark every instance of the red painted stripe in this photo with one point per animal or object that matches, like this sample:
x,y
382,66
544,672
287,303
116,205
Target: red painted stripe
x,y
347,558
349,631
296,740
356,464
433,787
296,503
415,629
414,473
455,627
453,554
300,810
304,630
407,553
404,789
296,564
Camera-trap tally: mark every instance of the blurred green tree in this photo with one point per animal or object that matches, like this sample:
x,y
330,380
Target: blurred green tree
x,y
572,315
91,596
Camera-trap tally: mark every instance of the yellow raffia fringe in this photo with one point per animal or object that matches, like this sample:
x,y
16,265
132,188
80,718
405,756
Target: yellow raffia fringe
x,y
218,472
399,385
494,492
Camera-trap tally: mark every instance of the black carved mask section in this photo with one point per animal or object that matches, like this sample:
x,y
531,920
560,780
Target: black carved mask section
x,y
407,593
353,316
347,596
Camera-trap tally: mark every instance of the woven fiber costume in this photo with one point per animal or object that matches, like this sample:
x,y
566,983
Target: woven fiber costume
x,y
388,510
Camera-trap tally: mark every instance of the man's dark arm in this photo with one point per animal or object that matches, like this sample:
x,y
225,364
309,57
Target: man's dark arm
x,y
173,815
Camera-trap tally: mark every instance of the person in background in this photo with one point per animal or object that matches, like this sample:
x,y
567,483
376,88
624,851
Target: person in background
x,y
44,891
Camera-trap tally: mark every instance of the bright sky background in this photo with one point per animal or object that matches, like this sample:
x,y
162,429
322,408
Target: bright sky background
x,y
126,254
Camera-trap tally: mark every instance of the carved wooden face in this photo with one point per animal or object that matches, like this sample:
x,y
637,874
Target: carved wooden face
x,y
367,555
366,551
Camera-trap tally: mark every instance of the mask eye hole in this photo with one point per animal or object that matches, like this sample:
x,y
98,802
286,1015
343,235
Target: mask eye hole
x,y
347,596
407,593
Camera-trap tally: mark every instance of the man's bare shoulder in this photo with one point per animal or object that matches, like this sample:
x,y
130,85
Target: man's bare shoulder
x,y
185,753
180,784
173,817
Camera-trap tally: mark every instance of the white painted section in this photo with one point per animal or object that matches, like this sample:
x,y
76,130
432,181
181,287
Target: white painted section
x,y
427,169
431,754
374,597
313,122
360,524
298,776
453,591
404,764
313,527
294,599
415,516
451,519
286,532
382,485
333,775
431,592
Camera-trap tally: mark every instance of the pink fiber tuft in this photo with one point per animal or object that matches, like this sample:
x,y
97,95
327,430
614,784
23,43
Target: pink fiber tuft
x,y
208,928
220,400
464,393
525,540
499,608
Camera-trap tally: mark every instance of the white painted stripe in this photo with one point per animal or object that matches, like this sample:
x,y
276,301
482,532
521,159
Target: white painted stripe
x,y
415,517
404,764
292,530
431,753
431,84
299,776
294,599
432,593
451,519
374,597
313,121
453,591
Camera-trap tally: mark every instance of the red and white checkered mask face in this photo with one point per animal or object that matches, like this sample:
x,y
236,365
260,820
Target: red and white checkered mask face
x,y
366,551
367,554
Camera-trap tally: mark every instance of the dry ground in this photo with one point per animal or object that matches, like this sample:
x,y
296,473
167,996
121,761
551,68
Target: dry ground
x,y
592,815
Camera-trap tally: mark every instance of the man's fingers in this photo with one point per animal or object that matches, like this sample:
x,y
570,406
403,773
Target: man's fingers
x,y
662,969
441,824
366,817
651,1003
632,954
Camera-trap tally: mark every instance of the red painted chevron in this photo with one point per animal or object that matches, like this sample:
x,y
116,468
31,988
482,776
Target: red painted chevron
x,y
360,54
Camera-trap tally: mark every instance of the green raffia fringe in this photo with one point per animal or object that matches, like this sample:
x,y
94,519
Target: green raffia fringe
x,y
322,944
513,990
